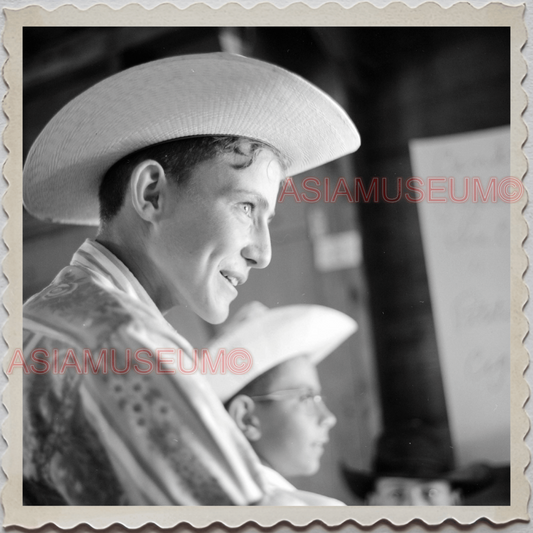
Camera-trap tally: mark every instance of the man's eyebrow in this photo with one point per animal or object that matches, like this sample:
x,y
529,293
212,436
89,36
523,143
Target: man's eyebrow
x,y
259,200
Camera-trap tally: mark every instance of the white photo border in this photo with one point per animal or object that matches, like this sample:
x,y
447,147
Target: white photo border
x,y
233,15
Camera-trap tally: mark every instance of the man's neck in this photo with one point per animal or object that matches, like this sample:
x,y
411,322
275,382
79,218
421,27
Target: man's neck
x,y
142,268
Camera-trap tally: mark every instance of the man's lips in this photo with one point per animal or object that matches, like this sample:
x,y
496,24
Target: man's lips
x,y
233,277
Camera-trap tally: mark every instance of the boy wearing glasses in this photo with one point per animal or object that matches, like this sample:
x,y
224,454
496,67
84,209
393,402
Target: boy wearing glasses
x,y
277,404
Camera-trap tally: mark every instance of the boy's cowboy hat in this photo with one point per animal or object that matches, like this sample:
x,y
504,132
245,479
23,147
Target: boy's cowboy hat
x,y
273,336
182,96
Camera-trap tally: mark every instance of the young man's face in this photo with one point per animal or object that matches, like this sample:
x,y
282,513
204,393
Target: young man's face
x,y
216,231
293,430
408,491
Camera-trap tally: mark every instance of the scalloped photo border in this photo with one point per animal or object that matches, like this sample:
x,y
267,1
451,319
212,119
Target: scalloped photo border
x,y
396,14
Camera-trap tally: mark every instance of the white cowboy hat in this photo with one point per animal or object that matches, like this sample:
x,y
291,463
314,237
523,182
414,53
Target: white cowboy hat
x,y
182,96
273,336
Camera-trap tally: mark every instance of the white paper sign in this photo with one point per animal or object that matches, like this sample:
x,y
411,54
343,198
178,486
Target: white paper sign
x,y
466,245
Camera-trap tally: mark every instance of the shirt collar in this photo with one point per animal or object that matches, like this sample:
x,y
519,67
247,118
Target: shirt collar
x,y
111,271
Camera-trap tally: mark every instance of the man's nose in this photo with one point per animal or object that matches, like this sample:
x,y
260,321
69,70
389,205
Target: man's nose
x,y
258,253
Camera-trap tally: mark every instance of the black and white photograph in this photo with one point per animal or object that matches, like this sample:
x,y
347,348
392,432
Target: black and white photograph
x,y
270,265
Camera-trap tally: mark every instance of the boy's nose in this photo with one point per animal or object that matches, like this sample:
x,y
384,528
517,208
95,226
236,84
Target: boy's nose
x,y
327,418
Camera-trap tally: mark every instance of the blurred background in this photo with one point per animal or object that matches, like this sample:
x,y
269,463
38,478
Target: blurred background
x,y
368,259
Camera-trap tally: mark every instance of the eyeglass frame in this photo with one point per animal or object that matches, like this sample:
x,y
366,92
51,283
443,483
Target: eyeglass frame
x,y
318,399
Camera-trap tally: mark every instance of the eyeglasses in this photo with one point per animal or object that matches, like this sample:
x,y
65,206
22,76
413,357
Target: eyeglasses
x,y
310,400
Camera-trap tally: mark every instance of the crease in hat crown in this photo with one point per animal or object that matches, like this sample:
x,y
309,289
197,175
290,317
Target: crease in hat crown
x,y
273,336
181,96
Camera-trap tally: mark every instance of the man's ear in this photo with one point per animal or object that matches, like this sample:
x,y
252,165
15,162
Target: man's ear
x,y
148,181
242,410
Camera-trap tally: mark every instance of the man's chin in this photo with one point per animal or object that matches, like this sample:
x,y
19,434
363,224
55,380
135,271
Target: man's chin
x,y
215,316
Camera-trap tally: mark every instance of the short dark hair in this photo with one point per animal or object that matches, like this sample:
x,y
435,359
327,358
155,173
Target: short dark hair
x,y
178,158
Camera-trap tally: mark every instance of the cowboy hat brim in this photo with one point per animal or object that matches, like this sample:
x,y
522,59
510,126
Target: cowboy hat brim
x,y
470,479
176,97
277,335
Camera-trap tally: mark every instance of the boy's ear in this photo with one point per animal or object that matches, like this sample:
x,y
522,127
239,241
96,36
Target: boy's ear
x,y
242,410
148,182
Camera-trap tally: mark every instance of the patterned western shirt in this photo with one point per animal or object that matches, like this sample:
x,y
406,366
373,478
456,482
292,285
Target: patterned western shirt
x,y
127,434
